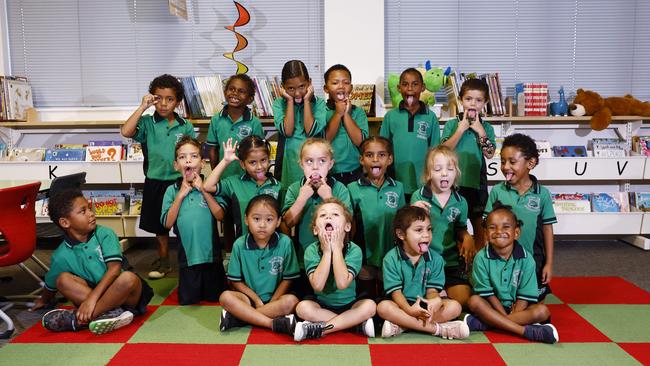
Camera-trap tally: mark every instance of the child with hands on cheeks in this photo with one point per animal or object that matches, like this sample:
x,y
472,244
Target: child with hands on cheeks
x,y
413,276
448,212
252,155
332,263
297,115
189,209
505,283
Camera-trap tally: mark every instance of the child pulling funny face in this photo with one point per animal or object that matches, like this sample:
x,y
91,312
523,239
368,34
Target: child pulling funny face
x,y
375,159
316,161
331,224
417,237
442,173
188,162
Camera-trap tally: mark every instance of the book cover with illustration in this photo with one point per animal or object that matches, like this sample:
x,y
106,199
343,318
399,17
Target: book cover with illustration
x,y
571,202
27,154
108,205
610,202
135,152
569,151
640,201
544,148
103,153
65,154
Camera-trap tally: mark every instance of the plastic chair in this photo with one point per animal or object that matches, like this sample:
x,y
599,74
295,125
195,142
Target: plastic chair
x,y
18,228
49,230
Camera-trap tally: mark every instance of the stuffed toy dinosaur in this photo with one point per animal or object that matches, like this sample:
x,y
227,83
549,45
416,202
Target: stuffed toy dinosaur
x,y
434,79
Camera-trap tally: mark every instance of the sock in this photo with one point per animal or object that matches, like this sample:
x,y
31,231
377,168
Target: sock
x,y
437,332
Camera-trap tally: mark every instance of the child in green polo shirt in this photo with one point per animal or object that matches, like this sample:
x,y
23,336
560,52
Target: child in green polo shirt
x,y
530,201
158,134
347,125
375,199
297,115
448,212
87,268
505,283
412,128
261,269
332,264
413,278
188,208
473,140
236,191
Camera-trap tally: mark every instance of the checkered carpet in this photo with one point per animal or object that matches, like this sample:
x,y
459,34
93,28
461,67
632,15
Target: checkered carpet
x,y
601,320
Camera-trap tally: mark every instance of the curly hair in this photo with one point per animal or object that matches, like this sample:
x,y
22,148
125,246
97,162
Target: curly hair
x,y
167,81
60,205
523,143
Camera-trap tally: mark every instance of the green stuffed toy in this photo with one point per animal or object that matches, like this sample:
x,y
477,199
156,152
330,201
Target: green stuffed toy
x,y
434,79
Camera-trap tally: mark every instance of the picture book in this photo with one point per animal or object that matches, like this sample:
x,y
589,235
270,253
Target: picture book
x,y
135,203
363,96
571,202
640,201
569,151
135,152
544,148
608,147
610,202
641,145
65,154
103,153
18,98
107,206
27,154
70,146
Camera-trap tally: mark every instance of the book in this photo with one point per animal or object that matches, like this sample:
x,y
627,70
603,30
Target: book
x,y
27,154
544,148
65,154
641,145
70,146
571,202
103,153
608,147
135,203
105,143
18,96
135,152
108,206
363,96
640,201
569,151
610,202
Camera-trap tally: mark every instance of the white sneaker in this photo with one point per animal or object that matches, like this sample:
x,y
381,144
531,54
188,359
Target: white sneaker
x,y
367,328
390,329
309,330
457,329
110,321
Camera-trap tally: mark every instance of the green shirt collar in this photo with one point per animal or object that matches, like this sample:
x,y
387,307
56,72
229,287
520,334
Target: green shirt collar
x,y
422,109
246,116
518,252
269,176
428,194
364,181
405,257
251,244
158,118
535,187
71,242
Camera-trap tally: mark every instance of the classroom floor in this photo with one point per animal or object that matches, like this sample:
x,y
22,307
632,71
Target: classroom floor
x,y
601,319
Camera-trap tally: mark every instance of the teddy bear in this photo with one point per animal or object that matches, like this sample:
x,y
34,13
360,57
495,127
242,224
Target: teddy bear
x,y
601,109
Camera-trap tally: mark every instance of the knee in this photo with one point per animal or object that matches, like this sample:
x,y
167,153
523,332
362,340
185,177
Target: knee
x,y
452,309
542,312
384,308
369,308
474,302
127,279
289,303
304,309
226,297
64,280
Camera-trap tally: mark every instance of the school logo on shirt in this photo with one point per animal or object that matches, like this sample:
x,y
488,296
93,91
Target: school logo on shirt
x,y
276,265
454,212
423,127
100,255
270,192
244,131
515,278
391,199
533,204
203,203
179,136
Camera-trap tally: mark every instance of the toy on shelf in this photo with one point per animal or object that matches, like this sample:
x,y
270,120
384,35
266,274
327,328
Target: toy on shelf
x,y
602,109
560,108
434,79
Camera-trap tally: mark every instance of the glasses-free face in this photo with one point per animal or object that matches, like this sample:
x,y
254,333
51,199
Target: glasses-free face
x,y
375,159
316,162
338,85
514,165
256,164
188,161
410,87
473,102
501,229
81,219
297,87
165,101
417,237
262,221
237,94
330,217
442,173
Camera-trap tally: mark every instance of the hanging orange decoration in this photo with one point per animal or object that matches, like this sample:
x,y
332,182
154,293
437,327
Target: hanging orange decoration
x,y
243,18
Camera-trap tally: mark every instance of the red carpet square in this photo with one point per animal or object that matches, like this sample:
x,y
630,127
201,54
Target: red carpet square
x,y
640,351
439,354
570,326
172,300
178,354
38,334
265,336
598,290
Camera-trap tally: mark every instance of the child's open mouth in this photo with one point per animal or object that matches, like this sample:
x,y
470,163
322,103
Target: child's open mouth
x,y
297,100
315,176
375,170
410,100
444,183
189,173
471,113
329,227
509,176
260,175
424,247
340,96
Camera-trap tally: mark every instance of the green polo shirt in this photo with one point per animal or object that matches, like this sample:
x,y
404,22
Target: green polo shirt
x,y
534,208
291,170
374,210
413,280
305,233
87,260
470,154
412,136
332,296
234,193
445,222
346,153
508,280
262,269
222,128
193,224
158,139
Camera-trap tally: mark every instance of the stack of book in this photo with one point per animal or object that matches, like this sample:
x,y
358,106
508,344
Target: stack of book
x,y
496,105
531,98
16,98
266,91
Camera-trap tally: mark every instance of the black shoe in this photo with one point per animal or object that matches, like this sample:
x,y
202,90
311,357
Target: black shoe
x,y
367,328
61,320
309,330
229,321
541,333
284,324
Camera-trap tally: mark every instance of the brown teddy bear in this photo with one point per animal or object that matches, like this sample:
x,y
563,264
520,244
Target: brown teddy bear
x,y
602,109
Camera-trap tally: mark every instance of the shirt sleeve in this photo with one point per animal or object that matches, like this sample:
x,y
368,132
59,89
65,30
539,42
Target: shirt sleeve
x,y
359,116
279,106
341,192
436,278
449,129
488,205
548,213
256,125
527,289
311,258
168,199
140,130
320,122
393,280
290,196
212,139
190,129
110,245
435,132
55,270
224,192
481,275
489,132
461,221
353,259
291,270
384,130
234,265
416,196
401,201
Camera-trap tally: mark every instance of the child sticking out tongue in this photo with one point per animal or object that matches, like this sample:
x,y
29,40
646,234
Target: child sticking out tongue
x,y
189,174
424,247
340,96
471,114
410,100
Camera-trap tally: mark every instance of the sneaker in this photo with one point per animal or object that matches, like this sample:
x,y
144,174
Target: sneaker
x,y
474,323
61,320
390,329
159,268
110,321
229,321
284,324
309,330
541,333
454,330
367,328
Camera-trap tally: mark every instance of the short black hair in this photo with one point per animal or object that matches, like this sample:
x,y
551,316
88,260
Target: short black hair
x,y
499,206
475,84
246,80
167,81
60,204
337,67
265,199
523,143
411,70
378,139
404,217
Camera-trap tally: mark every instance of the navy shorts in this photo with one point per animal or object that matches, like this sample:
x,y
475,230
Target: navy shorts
x,y
476,201
335,309
199,282
457,275
152,199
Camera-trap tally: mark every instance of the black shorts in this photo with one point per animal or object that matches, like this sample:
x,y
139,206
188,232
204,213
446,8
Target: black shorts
x,y
348,177
199,282
457,275
152,198
301,286
335,309
476,201
543,289
146,294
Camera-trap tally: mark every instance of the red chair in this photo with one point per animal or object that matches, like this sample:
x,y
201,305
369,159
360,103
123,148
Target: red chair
x,y
18,232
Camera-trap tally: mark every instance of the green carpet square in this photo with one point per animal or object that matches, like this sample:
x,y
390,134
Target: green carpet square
x,y
161,289
620,323
300,355
58,354
421,338
552,299
564,354
188,324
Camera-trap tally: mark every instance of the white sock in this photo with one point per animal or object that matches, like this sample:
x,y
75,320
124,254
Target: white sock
x,y
437,332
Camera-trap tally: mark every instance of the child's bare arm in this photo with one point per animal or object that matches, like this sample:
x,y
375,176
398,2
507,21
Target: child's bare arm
x,y
172,214
87,307
452,141
289,116
547,270
414,310
229,155
293,215
466,246
214,206
342,277
308,115
496,304
243,288
129,127
282,289
318,278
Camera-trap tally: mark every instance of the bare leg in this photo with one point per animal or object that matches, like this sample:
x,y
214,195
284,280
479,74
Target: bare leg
x,y
360,312
389,310
239,305
73,288
163,245
460,293
448,310
482,309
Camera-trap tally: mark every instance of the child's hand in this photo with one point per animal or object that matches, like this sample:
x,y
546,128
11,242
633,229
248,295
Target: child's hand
x,y
324,190
418,312
547,274
307,190
341,107
197,182
337,238
258,303
85,311
422,204
348,105
463,124
310,93
467,250
186,188
477,126
148,100
324,239
230,151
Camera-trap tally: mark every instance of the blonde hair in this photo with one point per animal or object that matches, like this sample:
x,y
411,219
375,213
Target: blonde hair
x,y
431,154
315,141
336,201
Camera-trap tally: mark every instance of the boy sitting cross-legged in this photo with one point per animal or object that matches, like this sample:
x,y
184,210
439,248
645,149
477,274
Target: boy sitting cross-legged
x,y
87,269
